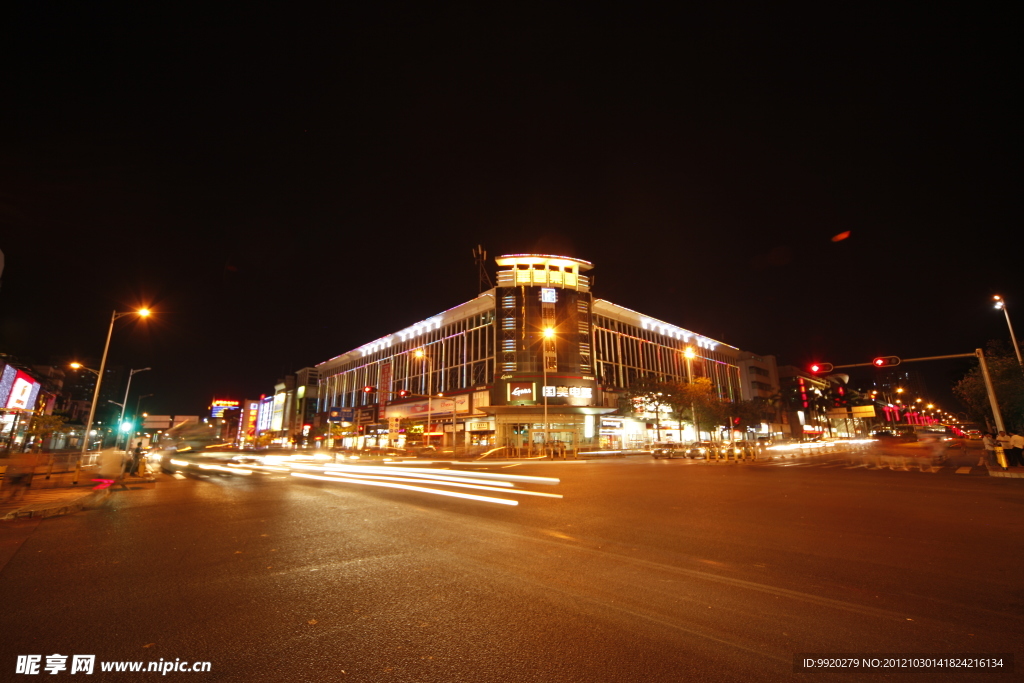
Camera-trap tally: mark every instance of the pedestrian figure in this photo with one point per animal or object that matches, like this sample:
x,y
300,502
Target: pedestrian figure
x,y
989,444
136,459
111,468
1003,440
1013,458
17,479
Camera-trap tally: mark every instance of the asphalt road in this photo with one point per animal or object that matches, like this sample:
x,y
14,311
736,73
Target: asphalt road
x,y
645,571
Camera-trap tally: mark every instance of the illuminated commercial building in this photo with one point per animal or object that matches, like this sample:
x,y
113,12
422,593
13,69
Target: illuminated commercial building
x,y
535,358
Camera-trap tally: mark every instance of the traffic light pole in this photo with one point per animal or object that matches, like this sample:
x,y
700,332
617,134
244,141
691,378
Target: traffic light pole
x,y
979,354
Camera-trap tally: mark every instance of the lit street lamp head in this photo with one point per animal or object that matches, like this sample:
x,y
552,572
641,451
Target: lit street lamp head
x,y
78,366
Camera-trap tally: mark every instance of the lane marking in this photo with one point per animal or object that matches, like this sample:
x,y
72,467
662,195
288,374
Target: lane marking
x,y
963,470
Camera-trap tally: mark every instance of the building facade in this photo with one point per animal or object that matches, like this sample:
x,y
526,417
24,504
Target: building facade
x,y
535,360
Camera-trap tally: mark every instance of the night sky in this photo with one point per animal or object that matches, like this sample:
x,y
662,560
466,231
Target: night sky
x,y
283,185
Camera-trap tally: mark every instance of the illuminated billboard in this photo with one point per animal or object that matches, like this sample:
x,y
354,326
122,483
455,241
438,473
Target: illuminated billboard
x,y
219,405
24,391
277,417
264,414
248,422
6,383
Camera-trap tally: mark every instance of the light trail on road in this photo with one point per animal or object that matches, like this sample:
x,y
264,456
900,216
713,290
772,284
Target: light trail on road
x,y
367,482
412,478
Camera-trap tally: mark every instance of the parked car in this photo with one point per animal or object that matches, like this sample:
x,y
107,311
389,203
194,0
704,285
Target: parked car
x,y
731,450
668,449
700,450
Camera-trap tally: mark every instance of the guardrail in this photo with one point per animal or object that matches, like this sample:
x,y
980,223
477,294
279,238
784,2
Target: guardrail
x,y
48,464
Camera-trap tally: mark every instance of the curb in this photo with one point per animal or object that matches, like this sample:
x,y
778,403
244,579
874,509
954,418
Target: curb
x,y
1003,473
89,500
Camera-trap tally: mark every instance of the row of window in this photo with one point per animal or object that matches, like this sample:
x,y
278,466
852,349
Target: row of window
x,y
462,354
628,352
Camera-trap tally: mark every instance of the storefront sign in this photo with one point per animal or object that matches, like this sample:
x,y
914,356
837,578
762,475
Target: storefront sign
x,y
437,407
520,391
574,392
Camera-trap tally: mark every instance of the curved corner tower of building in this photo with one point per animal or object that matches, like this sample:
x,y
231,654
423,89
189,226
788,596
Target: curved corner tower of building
x,y
535,359
545,350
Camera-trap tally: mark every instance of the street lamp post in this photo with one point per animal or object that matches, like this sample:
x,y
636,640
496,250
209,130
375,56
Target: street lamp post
x,y
689,354
143,312
549,333
138,402
430,391
1001,304
123,404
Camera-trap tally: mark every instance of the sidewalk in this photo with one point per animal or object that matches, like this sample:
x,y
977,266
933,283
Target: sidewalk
x,y
1015,472
58,496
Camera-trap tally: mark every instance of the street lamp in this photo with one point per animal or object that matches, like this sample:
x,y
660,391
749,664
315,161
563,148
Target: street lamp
x,y
142,313
138,402
690,354
1001,304
126,390
430,381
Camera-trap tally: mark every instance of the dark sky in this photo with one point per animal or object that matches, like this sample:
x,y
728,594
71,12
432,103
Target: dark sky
x,y
283,185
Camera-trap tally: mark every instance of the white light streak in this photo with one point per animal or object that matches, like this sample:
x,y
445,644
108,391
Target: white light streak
x,y
366,482
381,477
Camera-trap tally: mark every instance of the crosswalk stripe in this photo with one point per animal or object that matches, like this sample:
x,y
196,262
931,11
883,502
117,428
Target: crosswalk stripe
x,y
963,470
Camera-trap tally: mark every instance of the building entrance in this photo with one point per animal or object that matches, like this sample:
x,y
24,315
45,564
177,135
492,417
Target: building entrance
x,y
560,442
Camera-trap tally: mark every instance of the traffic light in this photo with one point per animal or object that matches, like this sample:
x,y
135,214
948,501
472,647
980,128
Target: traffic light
x,y
369,390
885,361
821,367
402,393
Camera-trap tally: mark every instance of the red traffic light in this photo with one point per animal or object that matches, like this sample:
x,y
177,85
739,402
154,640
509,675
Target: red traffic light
x,y
402,393
821,367
369,390
885,361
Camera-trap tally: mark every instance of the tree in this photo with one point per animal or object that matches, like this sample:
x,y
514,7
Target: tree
x,y
744,414
1007,381
43,426
699,400
648,395
264,439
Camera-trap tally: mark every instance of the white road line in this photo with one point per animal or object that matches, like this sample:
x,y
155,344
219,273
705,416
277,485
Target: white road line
x,y
963,470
